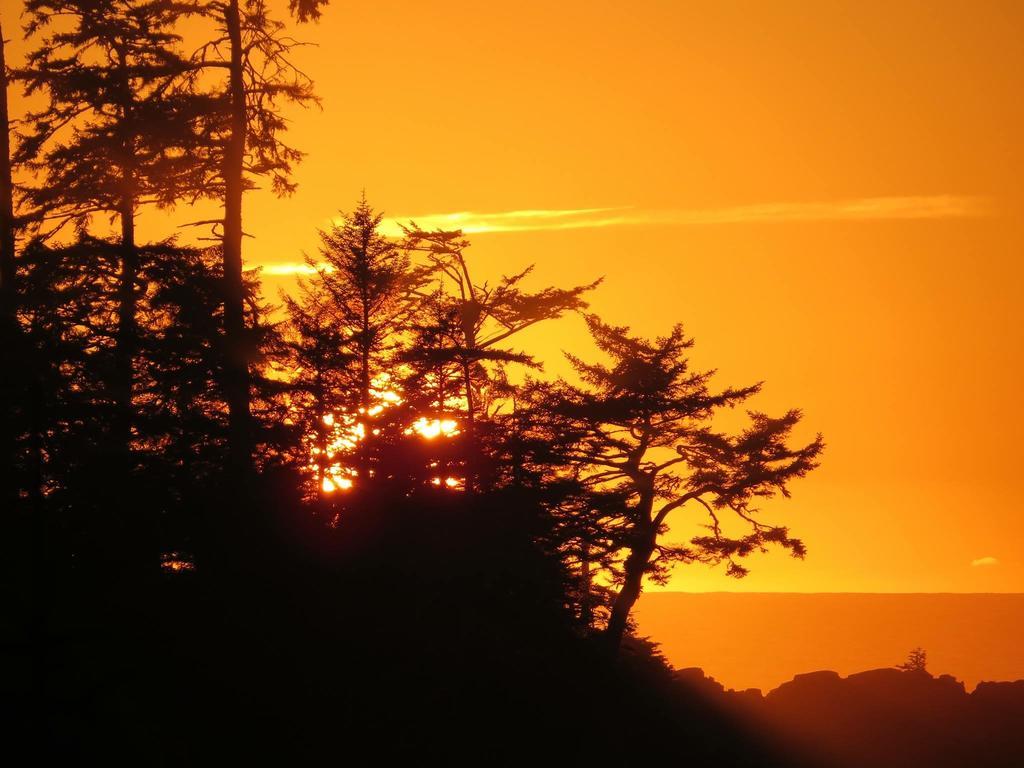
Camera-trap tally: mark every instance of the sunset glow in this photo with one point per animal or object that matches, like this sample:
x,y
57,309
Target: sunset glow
x,y
336,483
489,383
432,428
827,199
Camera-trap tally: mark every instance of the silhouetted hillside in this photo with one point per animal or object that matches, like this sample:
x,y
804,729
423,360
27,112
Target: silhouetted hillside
x,y
418,634
882,717
774,636
427,633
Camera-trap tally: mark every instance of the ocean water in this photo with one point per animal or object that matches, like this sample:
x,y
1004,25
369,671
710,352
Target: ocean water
x,y
759,640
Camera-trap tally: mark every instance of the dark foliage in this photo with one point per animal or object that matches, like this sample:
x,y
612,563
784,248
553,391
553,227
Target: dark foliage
x,y
248,55
640,435
431,632
350,531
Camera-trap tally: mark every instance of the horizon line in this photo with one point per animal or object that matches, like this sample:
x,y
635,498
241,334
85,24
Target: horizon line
x,y
842,592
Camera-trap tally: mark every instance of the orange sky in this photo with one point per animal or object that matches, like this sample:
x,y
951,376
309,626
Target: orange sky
x,y
772,637
827,194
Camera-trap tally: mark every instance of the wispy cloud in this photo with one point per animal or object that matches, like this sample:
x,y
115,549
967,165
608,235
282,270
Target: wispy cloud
x,y
530,220
287,268
291,268
857,209
534,220
984,561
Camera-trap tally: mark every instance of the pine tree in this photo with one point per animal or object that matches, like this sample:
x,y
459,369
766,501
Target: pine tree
x,y
243,143
461,352
350,323
68,316
917,661
7,223
9,336
183,419
319,376
68,322
640,431
113,136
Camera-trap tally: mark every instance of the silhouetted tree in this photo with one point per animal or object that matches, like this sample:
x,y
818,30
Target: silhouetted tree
x,y
68,313
184,427
113,136
306,10
169,353
8,323
532,464
361,302
588,549
640,428
244,142
7,224
319,364
917,661
460,351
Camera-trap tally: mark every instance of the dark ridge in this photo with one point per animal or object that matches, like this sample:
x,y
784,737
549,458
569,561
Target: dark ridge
x,y
881,717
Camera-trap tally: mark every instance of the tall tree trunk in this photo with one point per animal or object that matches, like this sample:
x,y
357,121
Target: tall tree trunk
x,y
127,335
363,451
6,200
470,455
364,347
236,361
127,332
632,585
364,375
586,587
127,521
469,314
322,439
322,463
8,321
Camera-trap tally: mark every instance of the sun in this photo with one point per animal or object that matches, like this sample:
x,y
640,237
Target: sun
x,y
433,428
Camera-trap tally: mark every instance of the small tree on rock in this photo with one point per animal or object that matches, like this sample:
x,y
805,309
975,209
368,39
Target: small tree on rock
x,y
917,661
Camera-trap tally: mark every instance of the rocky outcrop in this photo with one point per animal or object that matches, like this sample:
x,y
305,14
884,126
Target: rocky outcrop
x,y
882,718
